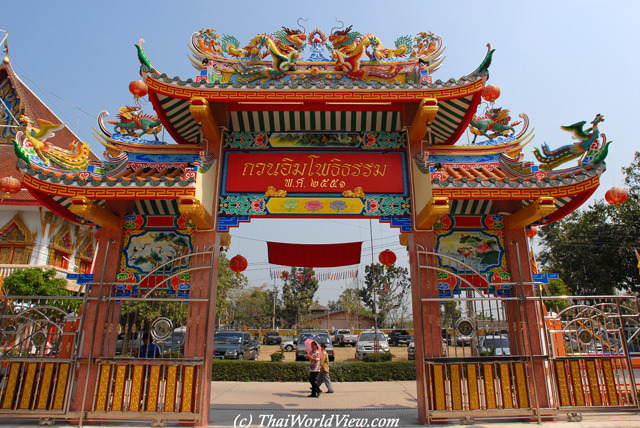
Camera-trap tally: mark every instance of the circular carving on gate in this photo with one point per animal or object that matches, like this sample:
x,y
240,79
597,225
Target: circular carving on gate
x,y
38,339
465,328
585,336
161,328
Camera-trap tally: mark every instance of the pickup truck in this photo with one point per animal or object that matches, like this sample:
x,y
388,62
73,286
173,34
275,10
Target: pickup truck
x,y
397,337
344,337
235,345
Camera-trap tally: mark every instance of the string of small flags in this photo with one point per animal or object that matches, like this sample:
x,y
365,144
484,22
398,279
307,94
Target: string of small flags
x,y
320,276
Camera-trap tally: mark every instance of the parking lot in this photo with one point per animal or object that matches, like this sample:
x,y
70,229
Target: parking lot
x,y
346,353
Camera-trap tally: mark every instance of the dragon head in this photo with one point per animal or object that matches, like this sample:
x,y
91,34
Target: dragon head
x,y
339,37
295,37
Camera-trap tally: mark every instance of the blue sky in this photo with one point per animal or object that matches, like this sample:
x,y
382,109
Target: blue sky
x,y
559,62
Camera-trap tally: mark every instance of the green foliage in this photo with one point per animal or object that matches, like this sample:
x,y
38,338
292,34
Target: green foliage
x,y
450,313
297,296
348,371
593,250
390,287
378,357
349,301
253,307
557,287
228,281
141,313
277,357
36,282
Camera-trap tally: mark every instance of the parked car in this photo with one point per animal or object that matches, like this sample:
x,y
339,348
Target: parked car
x,y
493,345
367,343
396,337
320,336
174,343
288,346
132,345
411,350
343,337
271,338
235,345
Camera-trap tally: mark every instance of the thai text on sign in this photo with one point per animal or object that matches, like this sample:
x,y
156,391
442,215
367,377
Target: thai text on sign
x,y
314,172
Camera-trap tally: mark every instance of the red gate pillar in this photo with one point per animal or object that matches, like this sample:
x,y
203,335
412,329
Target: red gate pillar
x,y
95,315
205,314
426,315
525,316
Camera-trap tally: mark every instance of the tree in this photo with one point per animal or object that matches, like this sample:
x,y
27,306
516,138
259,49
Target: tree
x,y
38,282
297,296
593,250
253,307
228,282
392,287
450,313
349,301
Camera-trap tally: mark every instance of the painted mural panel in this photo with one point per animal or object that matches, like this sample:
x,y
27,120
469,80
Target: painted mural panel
x,y
156,251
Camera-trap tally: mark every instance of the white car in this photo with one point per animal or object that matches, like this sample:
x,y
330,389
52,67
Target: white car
x,y
288,346
493,345
367,343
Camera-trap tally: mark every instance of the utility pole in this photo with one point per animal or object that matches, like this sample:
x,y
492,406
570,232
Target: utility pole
x,y
273,318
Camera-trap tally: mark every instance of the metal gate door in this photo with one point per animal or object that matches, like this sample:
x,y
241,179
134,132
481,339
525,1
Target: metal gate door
x,y
152,355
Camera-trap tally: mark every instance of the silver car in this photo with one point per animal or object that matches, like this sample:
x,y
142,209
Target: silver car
x,y
371,341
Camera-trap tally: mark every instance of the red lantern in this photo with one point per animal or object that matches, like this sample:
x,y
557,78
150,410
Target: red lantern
x,y
138,88
387,258
491,93
532,232
9,185
238,263
616,195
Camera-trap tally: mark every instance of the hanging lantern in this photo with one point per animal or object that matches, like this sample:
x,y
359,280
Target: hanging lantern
x,y
491,93
387,258
238,263
138,88
616,196
532,232
9,186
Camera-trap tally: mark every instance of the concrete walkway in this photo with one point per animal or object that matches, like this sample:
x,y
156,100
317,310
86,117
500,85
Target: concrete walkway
x,y
353,404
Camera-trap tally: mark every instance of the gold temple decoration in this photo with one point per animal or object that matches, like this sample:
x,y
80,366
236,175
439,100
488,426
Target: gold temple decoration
x,y
427,111
536,210
199,108
272,192
192,208
356,193
436,208
93,212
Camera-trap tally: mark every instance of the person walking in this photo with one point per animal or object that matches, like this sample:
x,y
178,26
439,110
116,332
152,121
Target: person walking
x,y
323,376
314,368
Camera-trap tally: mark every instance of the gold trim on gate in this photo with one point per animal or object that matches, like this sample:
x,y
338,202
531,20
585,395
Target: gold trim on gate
x,y
576,381
45,387
563,387
170,394
472,383
594,387
27,389
10,391
521,385
438,386
187,389
489,386
103,388
61,386
505,383
152,397
136,388
456,387
118,388
610,383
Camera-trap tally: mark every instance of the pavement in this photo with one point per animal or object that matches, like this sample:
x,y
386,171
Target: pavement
x,y
353,404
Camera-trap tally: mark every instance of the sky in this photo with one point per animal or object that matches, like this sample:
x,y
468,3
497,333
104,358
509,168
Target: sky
x,y
558,62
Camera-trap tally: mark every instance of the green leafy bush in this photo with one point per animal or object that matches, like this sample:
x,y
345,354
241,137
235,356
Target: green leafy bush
x,y
349,371
378,357
277,357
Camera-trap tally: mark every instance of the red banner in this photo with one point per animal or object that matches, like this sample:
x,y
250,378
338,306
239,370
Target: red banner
x,y
314,172
314,255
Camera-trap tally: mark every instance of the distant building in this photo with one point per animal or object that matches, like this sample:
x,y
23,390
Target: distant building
x,y
30,234
342,319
